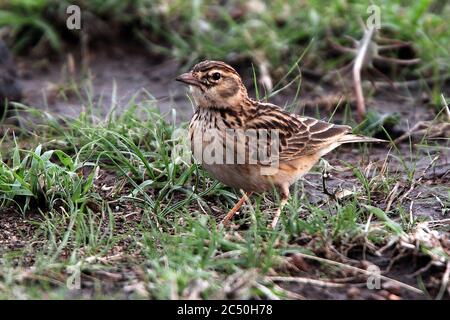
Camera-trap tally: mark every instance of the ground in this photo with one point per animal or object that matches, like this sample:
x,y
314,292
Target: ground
x,y
136,234
99,200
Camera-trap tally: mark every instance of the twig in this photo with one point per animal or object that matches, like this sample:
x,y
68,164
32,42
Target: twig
x,y
288,293
391,196
412,83
447,110
405,62
303,280
422,270
269,294
444,283
361,57
401,284
416,181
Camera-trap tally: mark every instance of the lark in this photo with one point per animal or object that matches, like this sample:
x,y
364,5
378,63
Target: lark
x,y
223,107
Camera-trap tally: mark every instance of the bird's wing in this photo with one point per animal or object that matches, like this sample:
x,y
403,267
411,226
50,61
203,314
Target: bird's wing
x,y
298,135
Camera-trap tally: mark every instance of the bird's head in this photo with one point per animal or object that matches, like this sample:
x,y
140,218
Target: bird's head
x,y
214,84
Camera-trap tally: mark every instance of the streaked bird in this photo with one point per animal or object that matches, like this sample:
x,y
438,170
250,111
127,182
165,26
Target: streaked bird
x,y
223,106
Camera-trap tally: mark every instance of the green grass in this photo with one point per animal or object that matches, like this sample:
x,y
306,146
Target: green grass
x,y
116,197
276,32
150,230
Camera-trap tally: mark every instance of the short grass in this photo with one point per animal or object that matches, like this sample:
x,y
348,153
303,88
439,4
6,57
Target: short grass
x,y
274,32
115,199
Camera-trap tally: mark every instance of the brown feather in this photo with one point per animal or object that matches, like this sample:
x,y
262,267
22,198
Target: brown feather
x,y
224,104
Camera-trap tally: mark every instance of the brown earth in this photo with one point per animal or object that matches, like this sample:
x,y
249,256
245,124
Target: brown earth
x,y
48,85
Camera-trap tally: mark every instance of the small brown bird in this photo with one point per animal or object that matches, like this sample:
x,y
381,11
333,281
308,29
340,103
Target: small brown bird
x,y
226,119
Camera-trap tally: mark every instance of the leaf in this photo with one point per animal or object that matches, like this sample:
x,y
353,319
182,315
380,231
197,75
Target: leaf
x,y
89,181
141,187
391,224
16,158
49,33
65,159
46,156
375,121
21,192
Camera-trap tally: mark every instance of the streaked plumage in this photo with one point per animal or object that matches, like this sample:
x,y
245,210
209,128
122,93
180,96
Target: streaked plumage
x,y
222,103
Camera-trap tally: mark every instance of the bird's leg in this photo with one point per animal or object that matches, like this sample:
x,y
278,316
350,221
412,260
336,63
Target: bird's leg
x,y
236,207
283,201
278,213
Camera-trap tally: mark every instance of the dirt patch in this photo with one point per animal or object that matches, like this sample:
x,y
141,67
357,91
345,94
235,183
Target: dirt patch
x,y
120,273
112,78
116,76
15,229
345,283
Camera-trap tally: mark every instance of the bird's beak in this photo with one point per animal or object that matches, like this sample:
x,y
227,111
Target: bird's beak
x,y
188,78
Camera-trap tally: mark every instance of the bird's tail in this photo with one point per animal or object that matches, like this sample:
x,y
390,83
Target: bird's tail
x,y
348,138
352,138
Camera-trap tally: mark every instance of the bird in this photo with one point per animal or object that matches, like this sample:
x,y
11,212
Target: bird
x,y
225,123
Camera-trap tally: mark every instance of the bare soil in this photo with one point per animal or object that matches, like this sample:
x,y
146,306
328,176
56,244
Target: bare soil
x,y
46,85
133,73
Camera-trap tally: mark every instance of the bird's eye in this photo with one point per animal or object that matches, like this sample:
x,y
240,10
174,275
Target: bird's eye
x,y
215,76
